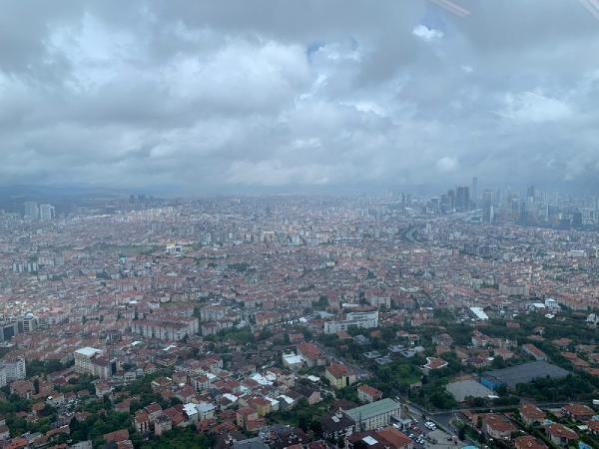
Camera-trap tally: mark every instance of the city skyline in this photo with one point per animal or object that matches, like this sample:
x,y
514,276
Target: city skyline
x,y
299,224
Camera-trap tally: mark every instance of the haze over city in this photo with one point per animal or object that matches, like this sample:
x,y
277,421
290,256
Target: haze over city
x,y
288,224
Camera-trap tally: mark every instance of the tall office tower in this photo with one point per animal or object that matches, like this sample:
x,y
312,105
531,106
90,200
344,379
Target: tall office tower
x,y
488,213
47,212
462,200
474,190
530,193
32,211
451,198
489,198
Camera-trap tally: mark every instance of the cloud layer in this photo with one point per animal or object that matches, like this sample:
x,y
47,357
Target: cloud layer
x,y
236,95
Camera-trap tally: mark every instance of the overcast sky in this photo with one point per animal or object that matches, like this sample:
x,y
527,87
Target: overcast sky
x,y
299,94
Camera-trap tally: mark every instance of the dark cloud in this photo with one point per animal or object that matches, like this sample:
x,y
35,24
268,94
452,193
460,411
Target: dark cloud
x,y
236,95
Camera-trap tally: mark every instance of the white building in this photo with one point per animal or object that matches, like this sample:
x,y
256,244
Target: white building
x,y
32,211
10,371
47,212
293,361
364,320
83,359
93,362
479,313
199,412
166,330
552,305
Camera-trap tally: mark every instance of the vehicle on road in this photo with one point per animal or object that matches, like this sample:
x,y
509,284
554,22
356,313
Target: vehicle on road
x,y
430,425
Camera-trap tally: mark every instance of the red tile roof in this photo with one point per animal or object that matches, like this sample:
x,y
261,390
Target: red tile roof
x,y
338,370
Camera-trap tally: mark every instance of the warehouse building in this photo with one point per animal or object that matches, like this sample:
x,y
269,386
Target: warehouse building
x,y
374,415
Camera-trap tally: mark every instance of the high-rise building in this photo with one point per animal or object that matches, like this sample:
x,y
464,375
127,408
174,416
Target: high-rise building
x,y
530,193
32,211
462,200
475,190
489,198
488,213
47,212
451,199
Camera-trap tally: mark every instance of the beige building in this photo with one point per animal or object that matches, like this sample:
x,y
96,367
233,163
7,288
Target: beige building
x,y
339,375
93,362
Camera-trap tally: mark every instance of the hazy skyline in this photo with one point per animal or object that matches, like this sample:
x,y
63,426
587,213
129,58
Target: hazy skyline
x,y
240,95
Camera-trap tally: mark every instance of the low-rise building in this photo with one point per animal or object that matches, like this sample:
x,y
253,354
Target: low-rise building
x,y
366,393
531,414
534,352
337,426
561,435
339,375
498,426
311,354
376,414
528,442
578,412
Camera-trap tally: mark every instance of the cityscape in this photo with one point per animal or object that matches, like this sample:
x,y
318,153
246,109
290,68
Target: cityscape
x,y
277,321
283,224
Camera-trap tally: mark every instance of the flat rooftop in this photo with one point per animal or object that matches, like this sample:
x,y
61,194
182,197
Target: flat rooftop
x,y
373,409
464,388
88,351
525,373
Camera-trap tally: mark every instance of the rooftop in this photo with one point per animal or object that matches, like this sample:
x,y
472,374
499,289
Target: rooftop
x,y
525,373
88,351
462,389
373,409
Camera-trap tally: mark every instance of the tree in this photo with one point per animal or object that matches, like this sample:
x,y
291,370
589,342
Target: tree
x,y
498,363
322,303
316,427
501,390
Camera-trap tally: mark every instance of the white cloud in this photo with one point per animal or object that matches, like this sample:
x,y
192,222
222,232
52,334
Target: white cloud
x,y
427,34
447,164
335,93
534,107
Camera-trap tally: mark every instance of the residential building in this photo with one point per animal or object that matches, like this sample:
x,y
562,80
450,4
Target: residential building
x,y
534,352
311,354
339,375
364,320
561,435
337,426
528,442
166,330
93,362
366,393
498,426
531,414
578,412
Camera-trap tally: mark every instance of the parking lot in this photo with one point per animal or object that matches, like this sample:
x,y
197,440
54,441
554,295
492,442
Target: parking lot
x,y
425,438
443,440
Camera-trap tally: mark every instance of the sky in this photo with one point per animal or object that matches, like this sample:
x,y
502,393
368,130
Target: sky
x,y
239,96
